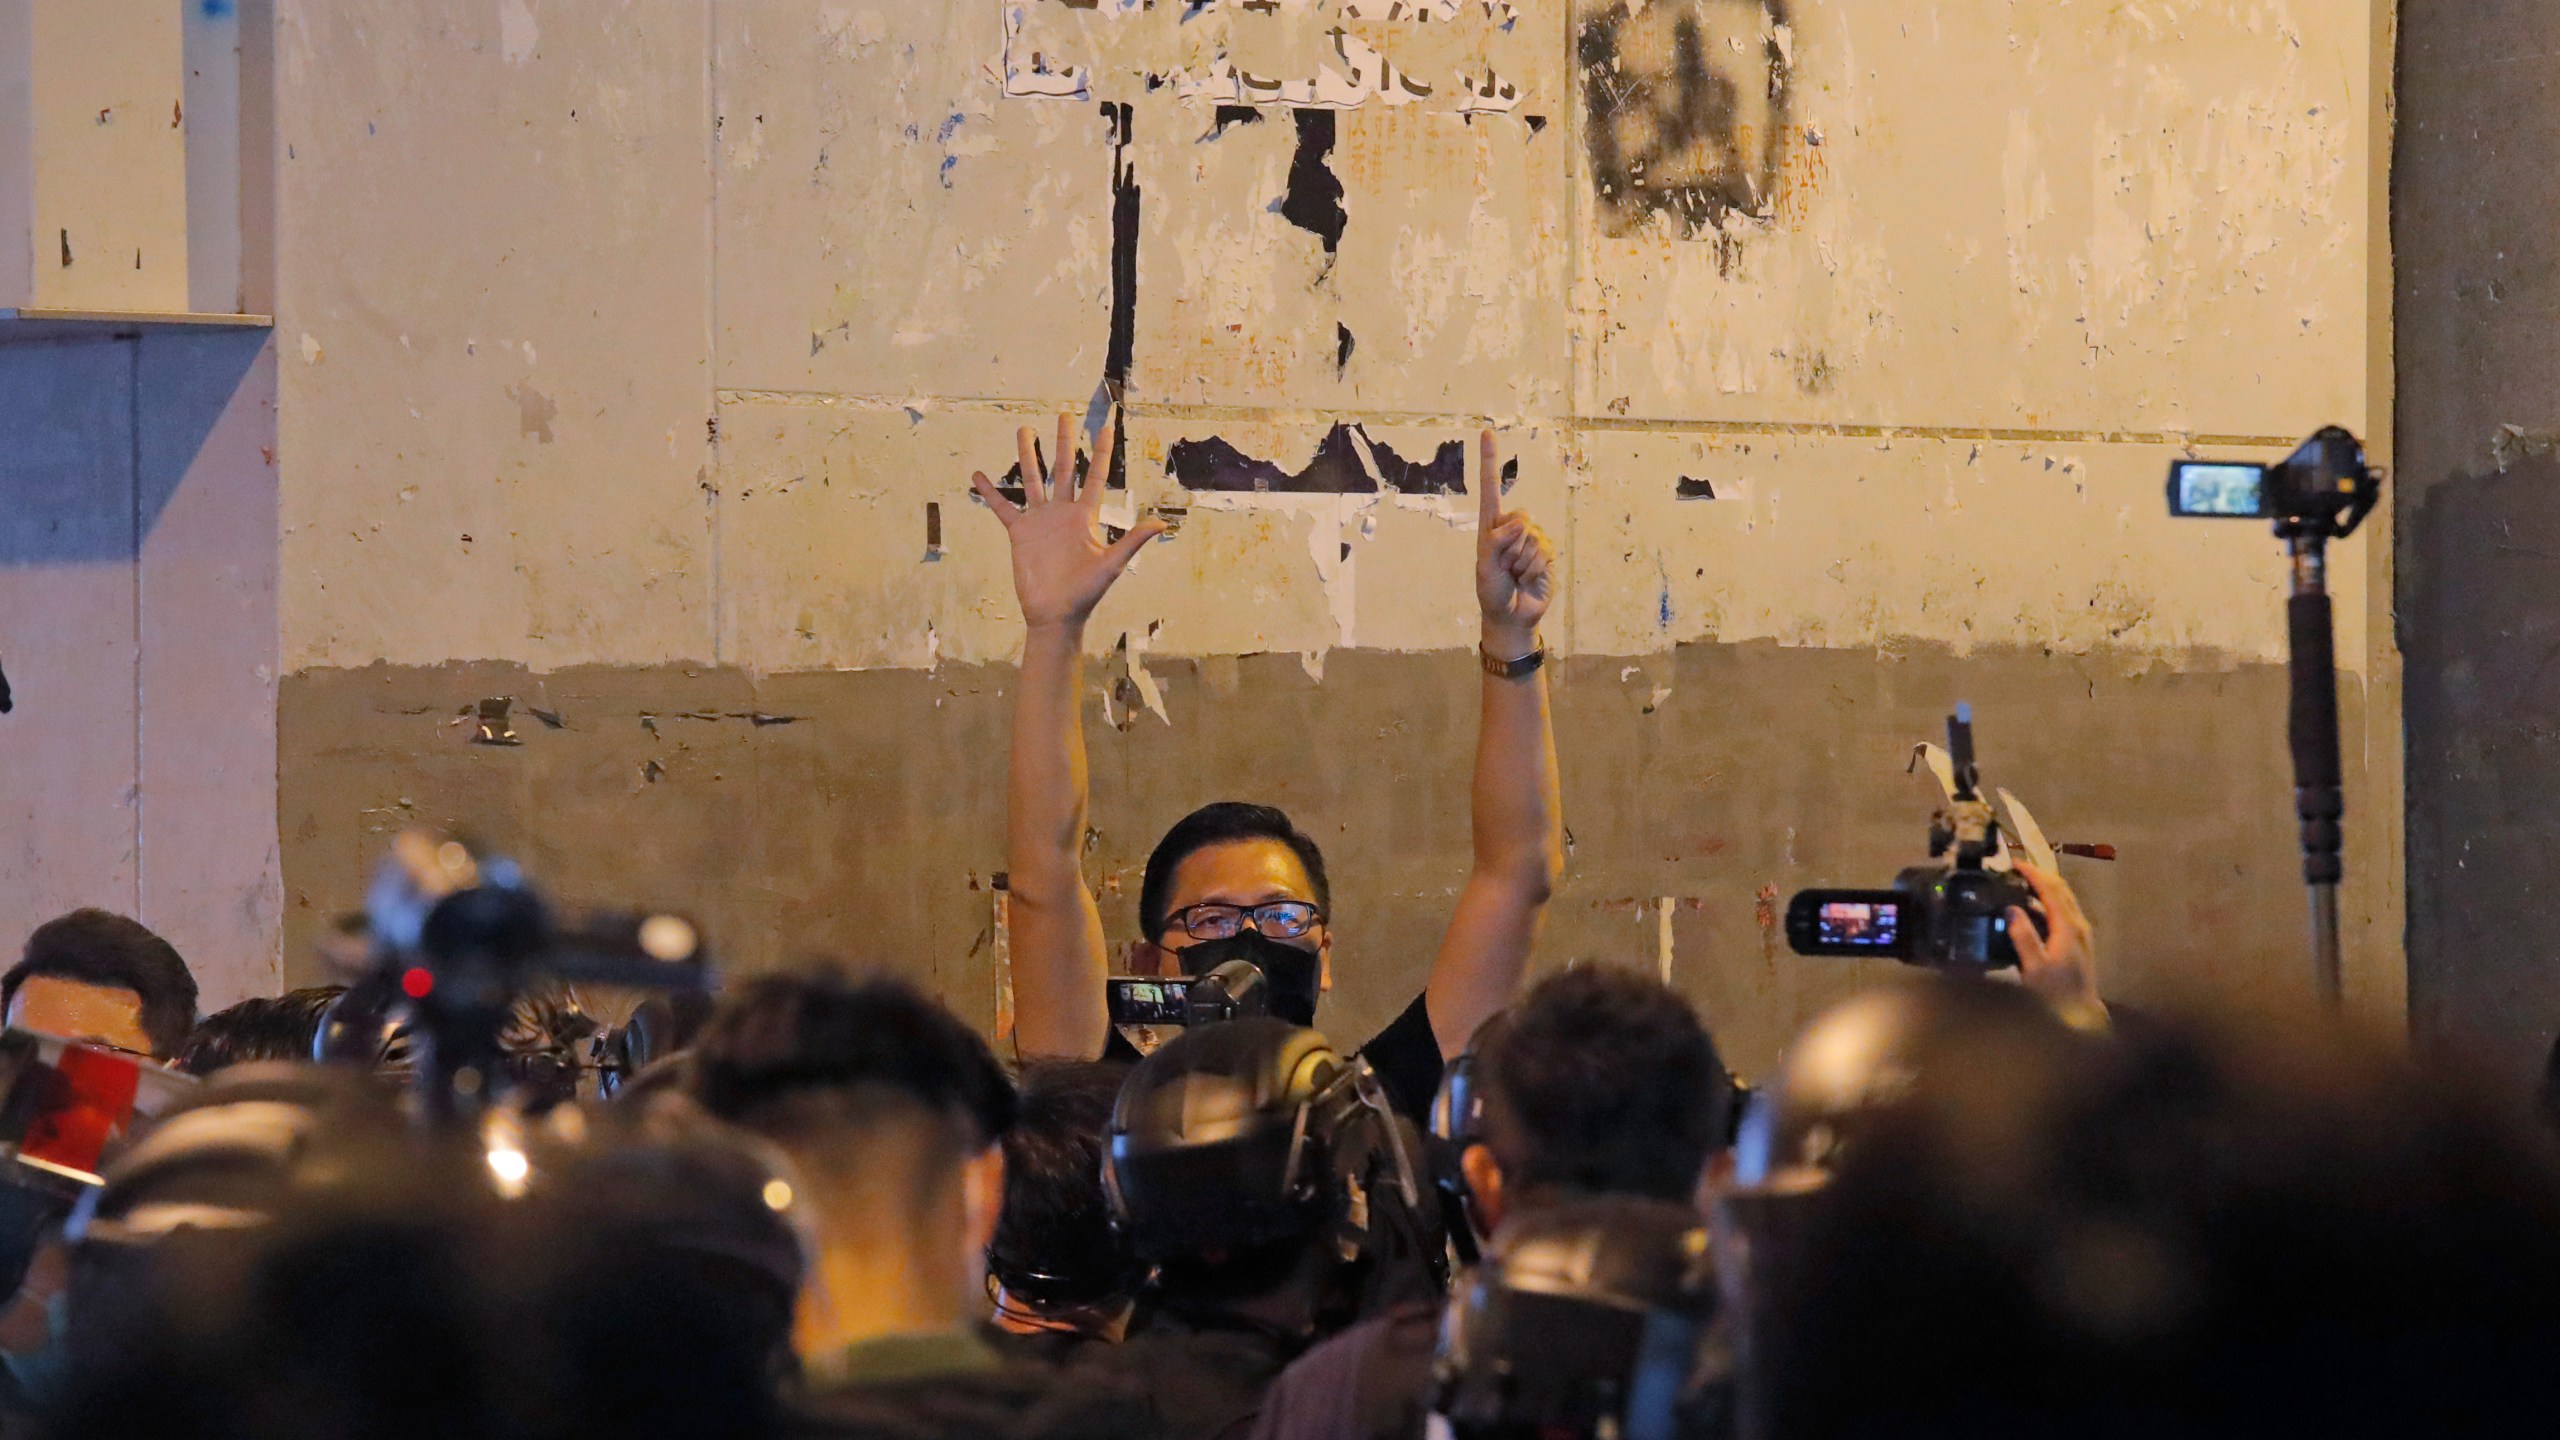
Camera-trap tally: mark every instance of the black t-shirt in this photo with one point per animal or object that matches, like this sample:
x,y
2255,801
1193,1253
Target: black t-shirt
x,y
1406,1056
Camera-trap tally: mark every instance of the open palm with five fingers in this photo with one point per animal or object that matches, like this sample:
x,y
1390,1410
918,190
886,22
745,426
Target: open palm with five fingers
x,y
1062,565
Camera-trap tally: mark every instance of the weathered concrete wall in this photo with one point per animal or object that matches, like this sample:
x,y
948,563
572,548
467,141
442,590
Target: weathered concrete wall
x,y
628,357
2480,520
817,812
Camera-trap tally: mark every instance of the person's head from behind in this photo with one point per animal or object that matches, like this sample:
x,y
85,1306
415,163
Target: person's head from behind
x,y
2204,1230
1237,881
105,979
277,1027
891,1110
1601,1081
1059,1261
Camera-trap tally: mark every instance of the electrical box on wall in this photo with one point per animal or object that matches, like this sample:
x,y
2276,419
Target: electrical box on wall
x,y
93,155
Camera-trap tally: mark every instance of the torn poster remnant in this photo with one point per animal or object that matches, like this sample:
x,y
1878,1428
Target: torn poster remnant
x,y
1344,53
1313,202
1346,462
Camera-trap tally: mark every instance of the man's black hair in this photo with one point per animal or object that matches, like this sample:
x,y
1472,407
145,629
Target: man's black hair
x,y
268,1027
98,947
1054,1242
823,1030
1223,823
1603,1080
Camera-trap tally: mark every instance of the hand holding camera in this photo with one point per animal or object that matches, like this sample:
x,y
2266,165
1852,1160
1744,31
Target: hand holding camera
x,y
2058,959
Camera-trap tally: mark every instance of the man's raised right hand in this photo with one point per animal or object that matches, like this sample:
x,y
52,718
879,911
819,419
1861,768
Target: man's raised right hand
x,y
1062,567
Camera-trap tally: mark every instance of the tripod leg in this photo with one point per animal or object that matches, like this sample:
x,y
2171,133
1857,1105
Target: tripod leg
x,y
2324,945
2319,798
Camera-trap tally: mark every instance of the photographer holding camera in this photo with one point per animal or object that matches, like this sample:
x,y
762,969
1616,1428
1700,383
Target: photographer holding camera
x,y
1237,880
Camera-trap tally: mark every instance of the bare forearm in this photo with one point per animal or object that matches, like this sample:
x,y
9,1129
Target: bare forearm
x,y
1518,809
1519,851
1058,953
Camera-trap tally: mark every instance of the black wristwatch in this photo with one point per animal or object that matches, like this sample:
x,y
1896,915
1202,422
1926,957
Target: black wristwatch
x,y
1527,664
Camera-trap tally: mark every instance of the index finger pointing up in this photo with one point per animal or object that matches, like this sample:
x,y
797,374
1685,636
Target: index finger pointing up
x,y
1488,481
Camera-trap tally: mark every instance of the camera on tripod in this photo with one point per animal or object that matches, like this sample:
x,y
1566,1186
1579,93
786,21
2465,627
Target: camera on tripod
x,y
2319,493
1950,914
2323,486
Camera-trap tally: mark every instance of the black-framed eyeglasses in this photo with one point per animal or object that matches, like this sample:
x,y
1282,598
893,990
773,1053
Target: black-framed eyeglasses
x,y
1278,920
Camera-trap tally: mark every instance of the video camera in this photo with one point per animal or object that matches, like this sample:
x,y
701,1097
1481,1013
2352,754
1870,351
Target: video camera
x,y
458,937
1234,989
2324,486
1951,914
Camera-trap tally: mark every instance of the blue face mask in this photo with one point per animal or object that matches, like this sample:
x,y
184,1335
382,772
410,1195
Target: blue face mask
x,y
1296,976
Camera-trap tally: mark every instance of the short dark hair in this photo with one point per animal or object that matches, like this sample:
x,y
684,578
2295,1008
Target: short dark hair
x,y
268,1027
825,1030
1223,823
1603,1080
99,947
1054,1242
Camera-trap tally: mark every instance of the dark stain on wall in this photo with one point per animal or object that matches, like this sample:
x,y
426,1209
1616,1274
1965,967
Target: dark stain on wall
x,y
874,826
1685,111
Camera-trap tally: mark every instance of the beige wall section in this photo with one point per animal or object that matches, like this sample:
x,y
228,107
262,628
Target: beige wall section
x,y
494,247
93,155
685,313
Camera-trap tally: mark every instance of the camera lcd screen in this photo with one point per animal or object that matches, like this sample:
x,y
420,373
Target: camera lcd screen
x,y
2211,489
1864,923
1142,1000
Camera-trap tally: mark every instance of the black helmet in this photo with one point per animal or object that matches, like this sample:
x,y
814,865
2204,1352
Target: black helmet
x,y
1873,1069
1597,1318
230,1155
1860,1062
1218,1142
1237,1139
664,1174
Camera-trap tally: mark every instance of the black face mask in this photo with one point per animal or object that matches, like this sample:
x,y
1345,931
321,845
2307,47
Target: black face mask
x,y
1296,976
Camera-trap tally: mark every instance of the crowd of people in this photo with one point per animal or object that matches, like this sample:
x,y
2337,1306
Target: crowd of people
x,y
820,1204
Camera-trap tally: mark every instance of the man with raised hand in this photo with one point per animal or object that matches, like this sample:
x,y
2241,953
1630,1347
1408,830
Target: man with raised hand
x,y
1235,880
